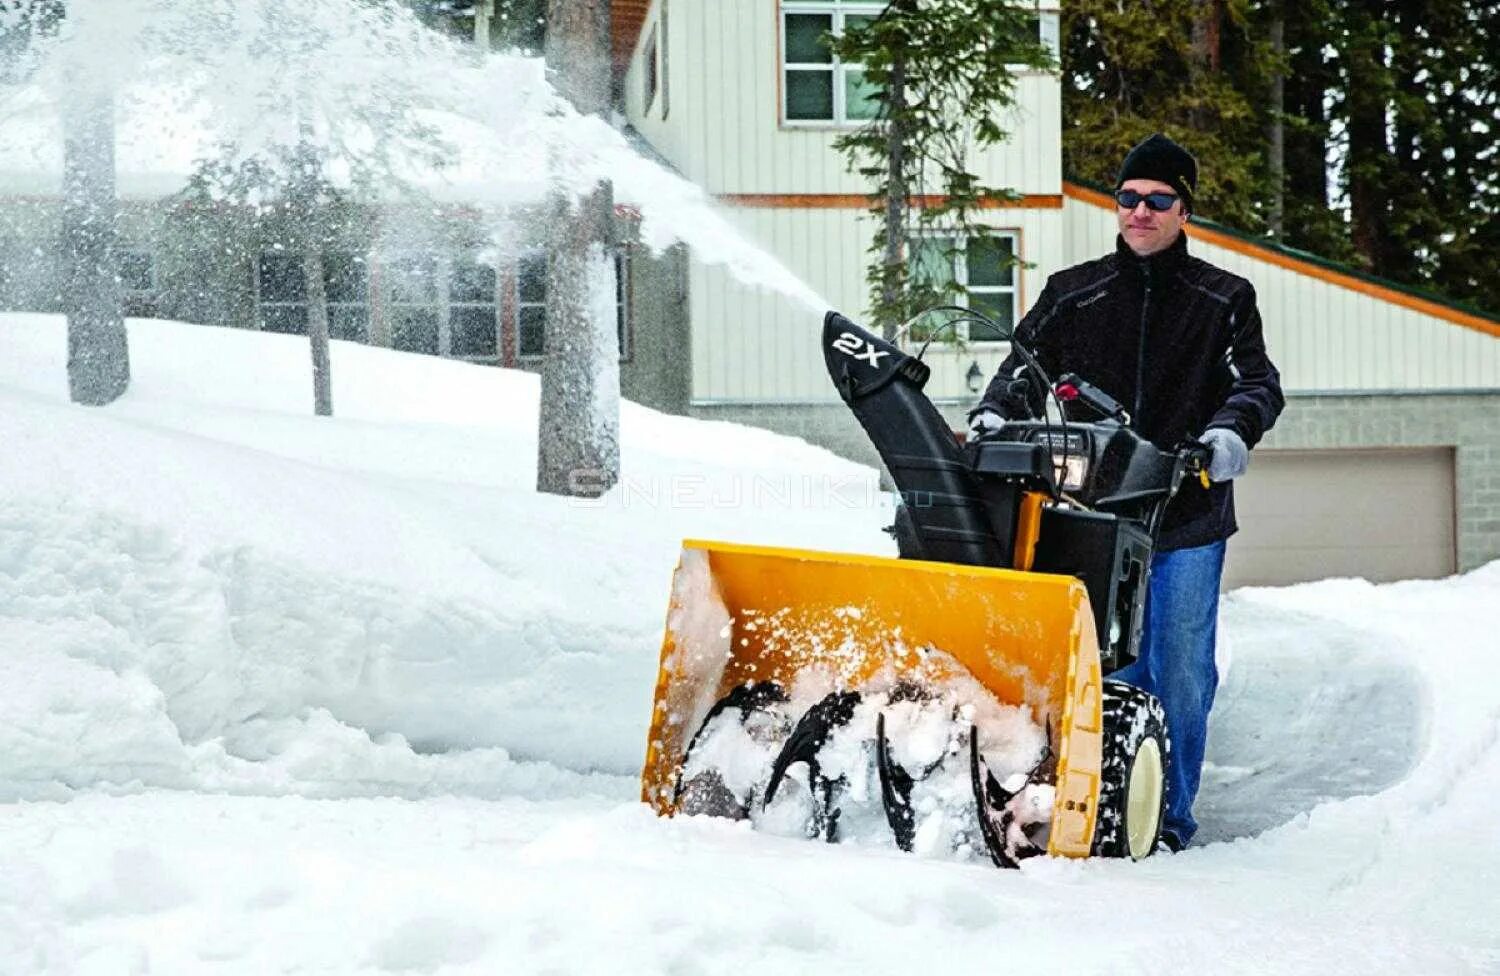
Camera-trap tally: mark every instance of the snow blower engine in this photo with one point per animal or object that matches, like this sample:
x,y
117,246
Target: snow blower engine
x,y
949,702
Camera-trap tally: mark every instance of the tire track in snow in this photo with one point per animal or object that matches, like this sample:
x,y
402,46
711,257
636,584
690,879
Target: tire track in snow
x,y
1309,712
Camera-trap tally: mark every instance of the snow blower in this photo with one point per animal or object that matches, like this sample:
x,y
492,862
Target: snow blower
x,y
950,701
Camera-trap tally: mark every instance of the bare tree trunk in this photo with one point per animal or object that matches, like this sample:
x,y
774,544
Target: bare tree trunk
x,y
484,12
1205,57
317,331
578,439
98,350
1369,150
896,203
1276,130
1206,22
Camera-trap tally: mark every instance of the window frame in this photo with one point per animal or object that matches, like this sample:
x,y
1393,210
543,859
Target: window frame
x,y
651,69
448,265
960,333
261,303
624,325
839,11
438,305
330,305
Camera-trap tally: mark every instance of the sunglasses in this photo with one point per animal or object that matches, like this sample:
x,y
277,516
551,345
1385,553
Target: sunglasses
x,y
1160,202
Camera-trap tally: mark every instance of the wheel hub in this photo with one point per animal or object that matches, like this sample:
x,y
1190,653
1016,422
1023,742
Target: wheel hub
x,y
1143,799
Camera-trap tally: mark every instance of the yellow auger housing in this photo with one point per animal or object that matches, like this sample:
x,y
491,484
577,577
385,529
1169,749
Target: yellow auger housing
x,y
742,614
1025,557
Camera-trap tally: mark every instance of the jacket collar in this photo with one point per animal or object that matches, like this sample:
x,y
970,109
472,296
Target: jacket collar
x,y
1159,265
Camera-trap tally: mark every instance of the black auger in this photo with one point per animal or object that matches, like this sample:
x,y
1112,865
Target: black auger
x,y
812,732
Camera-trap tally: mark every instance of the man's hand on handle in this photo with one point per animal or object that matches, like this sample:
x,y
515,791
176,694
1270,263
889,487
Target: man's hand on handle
x,y
984,422
1229,457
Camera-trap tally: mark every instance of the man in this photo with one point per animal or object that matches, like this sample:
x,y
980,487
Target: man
x,y
1178,343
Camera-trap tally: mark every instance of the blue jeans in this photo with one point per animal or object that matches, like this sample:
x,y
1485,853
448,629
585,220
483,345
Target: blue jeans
x,y
1177,666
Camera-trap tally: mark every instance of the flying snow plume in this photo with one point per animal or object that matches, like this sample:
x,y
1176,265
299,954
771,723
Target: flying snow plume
x,y
392,108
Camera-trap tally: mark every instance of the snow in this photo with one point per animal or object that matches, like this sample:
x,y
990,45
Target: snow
x,y
282,693
389,104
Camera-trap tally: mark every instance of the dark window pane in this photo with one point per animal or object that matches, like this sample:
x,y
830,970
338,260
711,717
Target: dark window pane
x,y
860,96
1000,308
473,331
414,330
649,59
1011,45
350,322
989,261
344,277
135,270
805,41
471,282
281,279
532,277
809,95
857,21
291,319
533,331
414,280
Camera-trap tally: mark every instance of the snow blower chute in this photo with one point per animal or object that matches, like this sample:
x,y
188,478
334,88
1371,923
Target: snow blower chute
x,y
952,699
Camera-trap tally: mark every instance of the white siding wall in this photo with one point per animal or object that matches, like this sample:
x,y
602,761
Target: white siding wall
x,y
724,129
1323,336
749,345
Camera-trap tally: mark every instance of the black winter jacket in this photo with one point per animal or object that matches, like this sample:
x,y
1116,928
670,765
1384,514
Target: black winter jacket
x,y
1177,342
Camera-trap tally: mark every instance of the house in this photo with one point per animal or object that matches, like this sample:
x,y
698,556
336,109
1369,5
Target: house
x,y
1386,463
426,277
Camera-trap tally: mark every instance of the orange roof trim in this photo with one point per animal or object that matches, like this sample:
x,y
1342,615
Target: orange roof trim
x,y
625,20
1280,259
859,201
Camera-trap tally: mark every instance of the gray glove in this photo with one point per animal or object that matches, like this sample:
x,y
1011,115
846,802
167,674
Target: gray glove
x,y
984,422
1229,457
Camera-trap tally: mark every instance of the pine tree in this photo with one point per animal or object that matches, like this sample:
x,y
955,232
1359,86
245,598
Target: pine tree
x,y
940,74
1309,221
1180,70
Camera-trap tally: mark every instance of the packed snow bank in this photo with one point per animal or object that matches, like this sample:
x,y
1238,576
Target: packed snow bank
x,y
205,586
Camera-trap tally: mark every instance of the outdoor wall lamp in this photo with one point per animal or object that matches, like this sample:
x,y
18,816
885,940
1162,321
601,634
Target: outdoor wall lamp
x,y
975,376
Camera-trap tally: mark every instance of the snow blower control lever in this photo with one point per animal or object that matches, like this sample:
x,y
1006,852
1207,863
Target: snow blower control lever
x,y
1073,387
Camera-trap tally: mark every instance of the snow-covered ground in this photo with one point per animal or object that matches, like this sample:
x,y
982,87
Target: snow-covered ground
x,y
289,694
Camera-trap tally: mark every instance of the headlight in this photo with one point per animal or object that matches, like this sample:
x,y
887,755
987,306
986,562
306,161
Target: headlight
x,y
1070,470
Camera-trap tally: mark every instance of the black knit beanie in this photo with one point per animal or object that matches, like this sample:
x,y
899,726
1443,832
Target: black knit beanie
x,y
1159,158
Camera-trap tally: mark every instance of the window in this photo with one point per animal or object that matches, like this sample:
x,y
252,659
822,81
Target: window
x,y
281,285
472,315
1044,28
531,305
816,86
346,292
979,273
650,65
415,304
282,294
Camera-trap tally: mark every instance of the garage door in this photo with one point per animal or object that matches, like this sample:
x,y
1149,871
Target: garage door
x,y
1380,514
